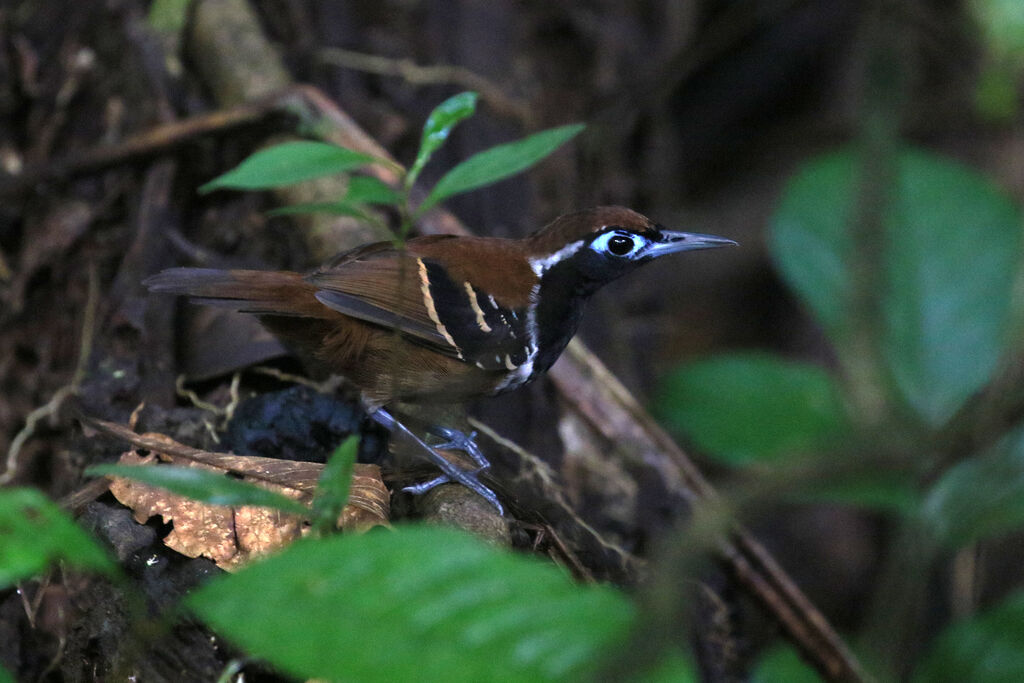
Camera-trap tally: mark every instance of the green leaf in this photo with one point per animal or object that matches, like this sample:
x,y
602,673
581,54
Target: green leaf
x,y
951,258
417,603
333,486
5,677
872,489
675,667
988,648
168,16
363,189
439,125
202,485
1002,22
748,407
35,533
287,164
342,208
498,163
782,663
980,498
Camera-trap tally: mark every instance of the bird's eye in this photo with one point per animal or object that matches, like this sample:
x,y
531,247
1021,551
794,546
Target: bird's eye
x,y
618,244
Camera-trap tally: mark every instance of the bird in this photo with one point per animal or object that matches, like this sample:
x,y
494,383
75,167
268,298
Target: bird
x,y
442,318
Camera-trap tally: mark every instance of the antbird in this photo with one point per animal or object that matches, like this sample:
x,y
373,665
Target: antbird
x,y
443,318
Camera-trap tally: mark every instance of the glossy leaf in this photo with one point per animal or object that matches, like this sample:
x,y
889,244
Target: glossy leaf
x,y
287,164
748,407
498,163
342,208
364,189
950,262
333,486
419,603
35,533
980,498
988,648
439,125
202,485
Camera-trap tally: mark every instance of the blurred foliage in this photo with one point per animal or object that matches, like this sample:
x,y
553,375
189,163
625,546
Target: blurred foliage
x,y
1001,23
421,604
36,534
788,408
943,323
988,647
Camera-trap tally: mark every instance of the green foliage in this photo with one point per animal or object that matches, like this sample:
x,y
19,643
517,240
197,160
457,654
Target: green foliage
x,y
1001,24
35,534
417,603
782,663
439,125
202,485
988,647
168,16
287,164
746,407
980,498
951,256
499,163
945,288
294,162
333,486
5,677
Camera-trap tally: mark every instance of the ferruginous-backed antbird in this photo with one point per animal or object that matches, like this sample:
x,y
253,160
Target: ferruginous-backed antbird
x,y
443,318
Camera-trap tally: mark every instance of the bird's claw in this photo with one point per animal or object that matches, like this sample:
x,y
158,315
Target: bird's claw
x,y
455,440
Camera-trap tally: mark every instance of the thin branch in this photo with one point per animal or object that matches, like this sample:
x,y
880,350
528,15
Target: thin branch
x,y
415,74
53,406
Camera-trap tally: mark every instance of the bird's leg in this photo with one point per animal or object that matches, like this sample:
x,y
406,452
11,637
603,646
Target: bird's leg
x,y
460,441
451,471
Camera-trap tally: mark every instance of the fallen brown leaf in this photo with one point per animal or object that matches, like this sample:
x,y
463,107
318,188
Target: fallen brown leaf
x,y
231,536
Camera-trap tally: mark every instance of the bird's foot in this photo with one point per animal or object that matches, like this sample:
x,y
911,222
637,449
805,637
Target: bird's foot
x,y
454,440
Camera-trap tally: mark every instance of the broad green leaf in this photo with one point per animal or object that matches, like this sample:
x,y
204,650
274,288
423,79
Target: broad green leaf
x,y
748,407
287,164
782,663
35,533
1002,22
874,489
439,125
202,485
987,648
5,677
364,189
980,498
674,668
417,603
342,208
498,163
951,255
333,486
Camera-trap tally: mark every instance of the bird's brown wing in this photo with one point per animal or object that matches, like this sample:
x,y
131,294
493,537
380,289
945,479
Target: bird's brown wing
x,y
415,295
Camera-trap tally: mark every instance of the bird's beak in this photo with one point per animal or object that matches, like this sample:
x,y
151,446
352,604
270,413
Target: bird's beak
x,y
672,242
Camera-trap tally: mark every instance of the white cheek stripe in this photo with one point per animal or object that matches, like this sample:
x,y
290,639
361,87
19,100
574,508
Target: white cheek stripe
x,y
428,302
539,265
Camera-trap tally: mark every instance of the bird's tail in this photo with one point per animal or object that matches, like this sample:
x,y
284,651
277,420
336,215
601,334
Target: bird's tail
x,y
261,292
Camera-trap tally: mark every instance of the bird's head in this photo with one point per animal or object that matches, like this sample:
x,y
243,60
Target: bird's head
x,y
601,244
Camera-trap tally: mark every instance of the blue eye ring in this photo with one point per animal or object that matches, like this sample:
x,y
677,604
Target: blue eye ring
x,y
618,243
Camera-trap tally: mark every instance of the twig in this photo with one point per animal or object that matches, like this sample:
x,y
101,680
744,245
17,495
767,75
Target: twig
x,y
53,406
415,74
